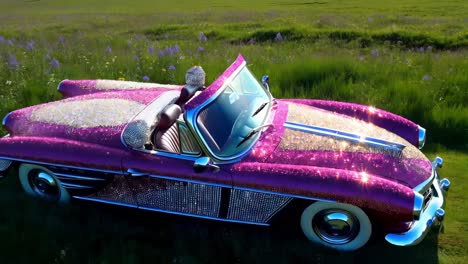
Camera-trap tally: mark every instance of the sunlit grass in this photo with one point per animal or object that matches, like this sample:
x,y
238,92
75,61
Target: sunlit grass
x,y
407,57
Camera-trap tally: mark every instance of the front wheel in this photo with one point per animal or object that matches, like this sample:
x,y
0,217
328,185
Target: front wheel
x,y
42,183
336,225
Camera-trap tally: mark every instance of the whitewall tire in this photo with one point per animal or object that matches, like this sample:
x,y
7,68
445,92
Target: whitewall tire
x,y
40,182
336,225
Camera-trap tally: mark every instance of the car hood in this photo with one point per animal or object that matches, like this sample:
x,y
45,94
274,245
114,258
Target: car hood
x,y
304,147
95,118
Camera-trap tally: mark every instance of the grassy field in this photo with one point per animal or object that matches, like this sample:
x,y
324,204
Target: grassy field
x,y
408,57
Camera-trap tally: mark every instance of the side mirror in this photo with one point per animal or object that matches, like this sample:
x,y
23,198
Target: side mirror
x,y
266,82
201,164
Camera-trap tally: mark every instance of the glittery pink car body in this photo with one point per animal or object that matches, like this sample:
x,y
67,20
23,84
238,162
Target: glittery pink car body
x,y
80,139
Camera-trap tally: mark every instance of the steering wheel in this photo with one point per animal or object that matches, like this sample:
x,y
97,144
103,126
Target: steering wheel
x,y
241,127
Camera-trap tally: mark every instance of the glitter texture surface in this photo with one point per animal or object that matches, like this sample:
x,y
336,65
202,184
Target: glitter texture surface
x,y
83,124
177,196
138,131
70,88
254,206
359,188
317,117
389,121
88,113
117,191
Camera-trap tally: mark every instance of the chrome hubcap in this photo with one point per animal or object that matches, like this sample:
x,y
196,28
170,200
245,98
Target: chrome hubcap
x,y
44,185
335,226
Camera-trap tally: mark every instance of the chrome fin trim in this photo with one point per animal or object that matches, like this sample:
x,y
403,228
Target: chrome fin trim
x,y
75,186
322,131
76,177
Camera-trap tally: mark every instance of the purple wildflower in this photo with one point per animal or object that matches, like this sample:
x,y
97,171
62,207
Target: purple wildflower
x,y
202,37
61,39
166,36
2,40
160,53
429,48
10,42
151,49
109,50
279,37
200,48
129,42
167,50
171,68
370,19
54,63
176,48
251,41
375,52
136,58
146,78
427,78
13,62
421,49
30,46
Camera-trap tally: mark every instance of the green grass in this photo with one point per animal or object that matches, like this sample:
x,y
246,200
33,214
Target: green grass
x,y
94,233
408,57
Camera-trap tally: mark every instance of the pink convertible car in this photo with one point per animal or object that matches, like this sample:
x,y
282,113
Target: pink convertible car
x,y
230,152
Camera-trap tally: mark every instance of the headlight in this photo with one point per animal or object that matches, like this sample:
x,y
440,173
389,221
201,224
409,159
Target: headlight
x,y
421,137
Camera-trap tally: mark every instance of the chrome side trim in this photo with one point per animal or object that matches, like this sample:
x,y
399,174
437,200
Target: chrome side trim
x,y
375,142
63,166
136,173
104,201
165,211
75,177
202,216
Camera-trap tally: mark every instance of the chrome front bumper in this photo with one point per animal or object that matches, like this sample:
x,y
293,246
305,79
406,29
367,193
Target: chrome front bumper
x,y
432,215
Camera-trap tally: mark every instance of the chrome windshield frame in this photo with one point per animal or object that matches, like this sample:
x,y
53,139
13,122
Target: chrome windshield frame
x,y
192,114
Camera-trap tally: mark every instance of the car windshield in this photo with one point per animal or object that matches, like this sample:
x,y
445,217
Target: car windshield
x,y
225,122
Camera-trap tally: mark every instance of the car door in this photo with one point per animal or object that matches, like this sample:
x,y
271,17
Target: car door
x,y
168,182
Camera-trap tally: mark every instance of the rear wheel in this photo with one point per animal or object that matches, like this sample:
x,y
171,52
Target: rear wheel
x,y
42,183
336,225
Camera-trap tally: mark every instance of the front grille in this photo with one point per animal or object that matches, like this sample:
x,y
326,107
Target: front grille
x,y
427,196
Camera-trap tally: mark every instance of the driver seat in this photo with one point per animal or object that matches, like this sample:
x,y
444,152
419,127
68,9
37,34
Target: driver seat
x,y
167,135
